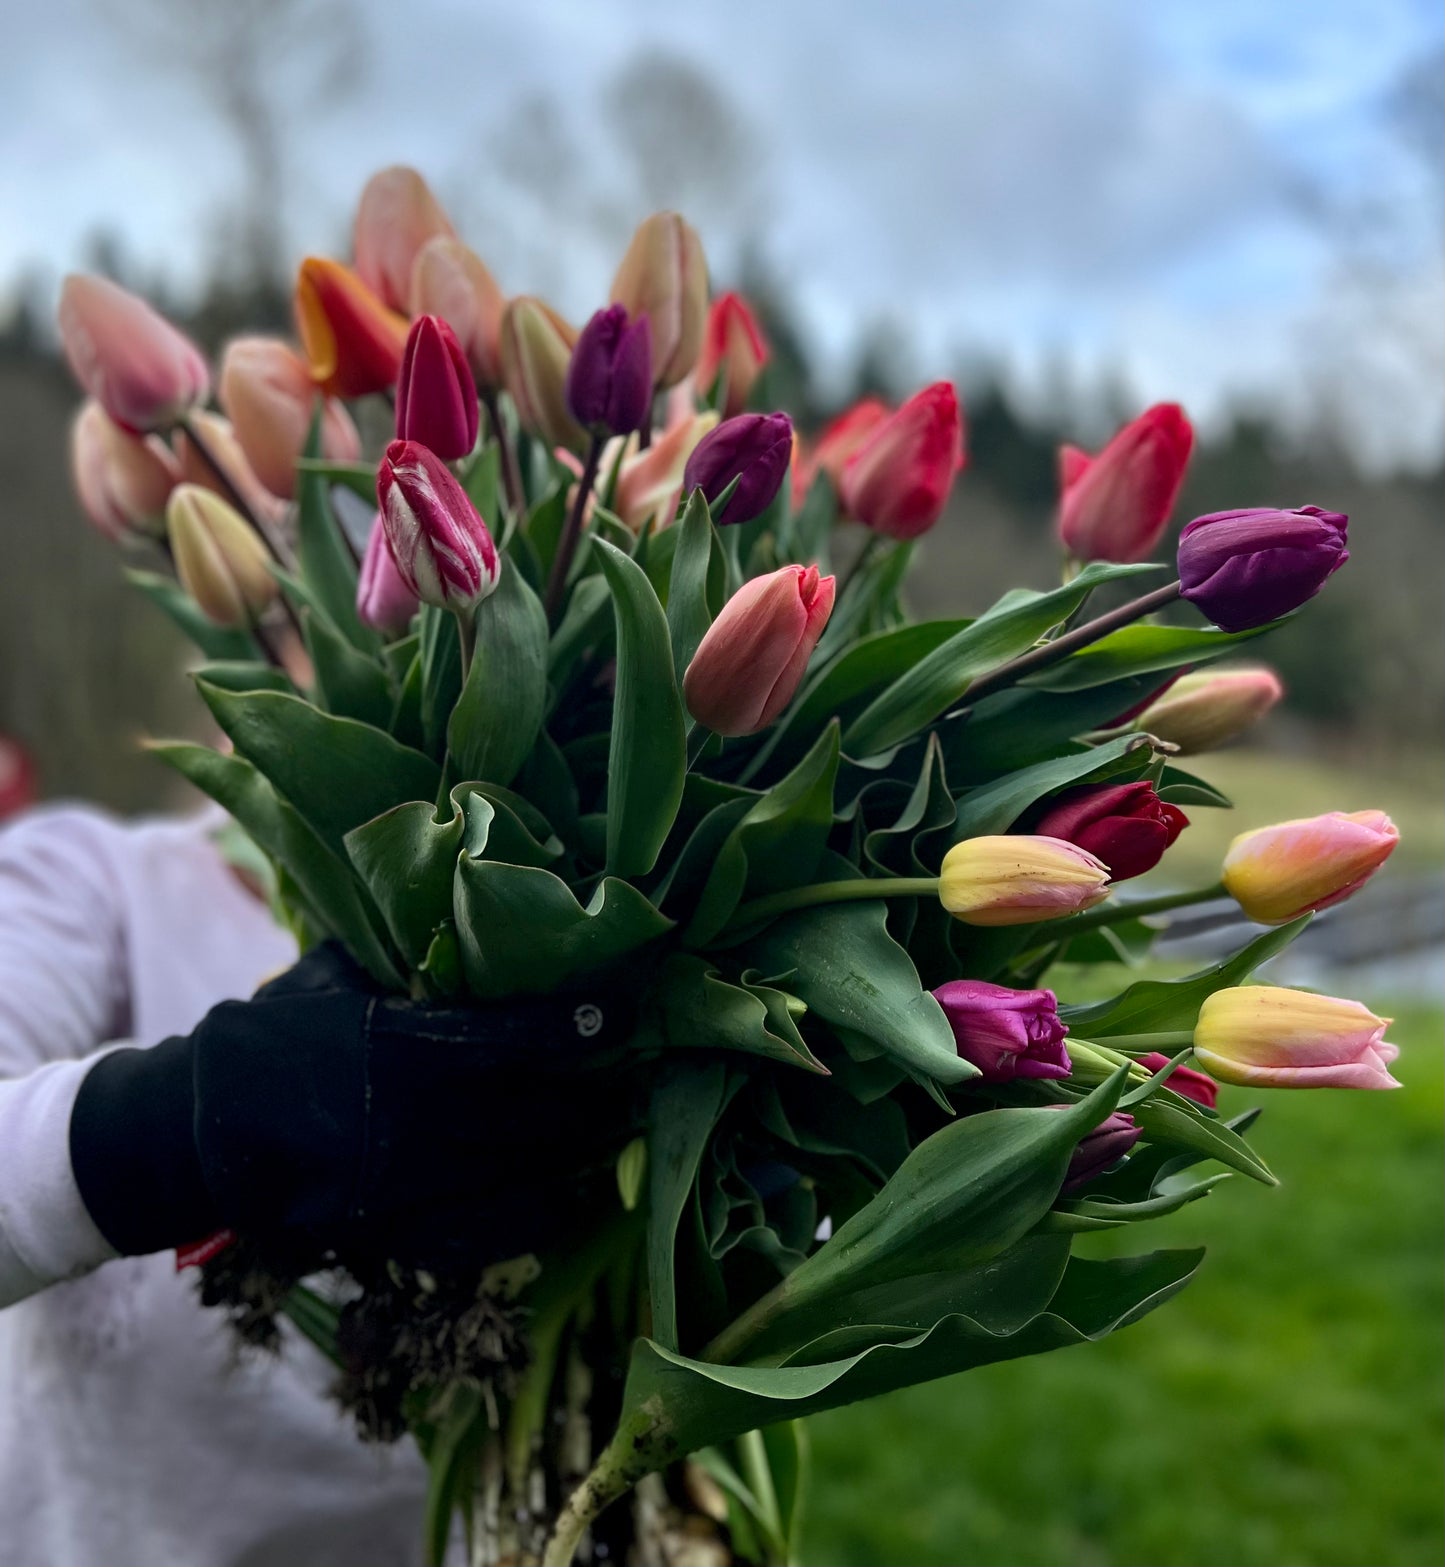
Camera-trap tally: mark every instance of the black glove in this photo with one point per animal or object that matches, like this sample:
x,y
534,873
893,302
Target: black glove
x,y
326,1117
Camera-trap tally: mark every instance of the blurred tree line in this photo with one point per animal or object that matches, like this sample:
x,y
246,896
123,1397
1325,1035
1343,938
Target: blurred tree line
x,y
90,667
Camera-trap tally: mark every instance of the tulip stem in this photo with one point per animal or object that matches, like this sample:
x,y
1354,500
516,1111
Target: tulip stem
x,y
466,637
862,559
229,489
511,474
1091,631
1140,908
572,533
859,889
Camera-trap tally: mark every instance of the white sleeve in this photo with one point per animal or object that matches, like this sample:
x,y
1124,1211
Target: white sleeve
x,y
63,998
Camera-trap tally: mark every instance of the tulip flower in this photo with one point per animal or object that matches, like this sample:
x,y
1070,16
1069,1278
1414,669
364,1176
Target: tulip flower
x,y
436,397
754,449
1266,1037
1127,826
352,340
663,276
1115,506
1103,1148
145,373
396,217
751,660
269,397
123,480
17,779
1243,569
609,377
450,281
221,562
898,481
536,351
1277,873
1202,711
838,442
1184,1080
649,483
222,446
1005,1033
733,347
383,600
1020,879
440,544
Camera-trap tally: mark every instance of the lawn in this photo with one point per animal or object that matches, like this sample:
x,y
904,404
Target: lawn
x,y
1285,1410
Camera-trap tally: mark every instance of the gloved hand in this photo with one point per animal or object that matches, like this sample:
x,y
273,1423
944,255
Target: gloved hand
x,y
328,1117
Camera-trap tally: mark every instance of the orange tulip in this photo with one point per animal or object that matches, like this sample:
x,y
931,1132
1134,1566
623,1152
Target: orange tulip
x,y
353,341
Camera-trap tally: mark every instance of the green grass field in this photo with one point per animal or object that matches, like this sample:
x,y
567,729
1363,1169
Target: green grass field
x,y
1285,1410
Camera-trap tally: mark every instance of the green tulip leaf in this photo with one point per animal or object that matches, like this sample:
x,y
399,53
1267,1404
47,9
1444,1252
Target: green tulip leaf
x,y
697,1007
995,807
349,683
697,583
328,567
216,642
407,859
1141,649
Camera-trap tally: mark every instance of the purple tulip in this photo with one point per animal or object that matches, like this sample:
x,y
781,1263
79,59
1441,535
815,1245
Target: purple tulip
x,y
383,600
439,542
754,449
1103,1147
1005,1033
436,397
609,377
1245,568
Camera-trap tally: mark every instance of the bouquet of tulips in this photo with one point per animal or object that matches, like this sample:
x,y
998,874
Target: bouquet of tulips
x,y
586,704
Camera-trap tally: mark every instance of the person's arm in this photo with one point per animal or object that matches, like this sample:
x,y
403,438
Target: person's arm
x,y
63,1001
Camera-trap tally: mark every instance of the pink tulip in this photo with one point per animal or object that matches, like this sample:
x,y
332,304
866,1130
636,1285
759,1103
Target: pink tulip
x,y
754,654
439,542
1114,506
436,397
649,484
396,216
733,347
269,397
1277,873
383,600
1183,1080
1266,1037
450,281
137,366
123,480
898,482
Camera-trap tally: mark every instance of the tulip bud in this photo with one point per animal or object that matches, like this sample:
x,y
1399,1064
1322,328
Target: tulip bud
x,y
1005,1033
267,392
609,377
1114,506
754,449
1127,826
439,542
537,349
898,482
1277,873
1184,1080
132,361
123,480
733,347
649,484
1243,569
663,276
1020,879
450,281
221,562
752,659
353,341
1202,711
1265,1037
396,216
1103,1148
436,397
383,600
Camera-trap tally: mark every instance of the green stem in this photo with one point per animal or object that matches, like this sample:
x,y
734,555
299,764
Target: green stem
x,y
860,889
696,745
1140,908
572,533
1061,647
466,637
1164,1042
622,1464
511,474
861,561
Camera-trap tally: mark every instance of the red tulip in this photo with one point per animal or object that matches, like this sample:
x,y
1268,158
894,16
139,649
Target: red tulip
x,y
899,480
1114,506
1184,1080
353,341
436,397
733,345
439,541
1127,826
754,654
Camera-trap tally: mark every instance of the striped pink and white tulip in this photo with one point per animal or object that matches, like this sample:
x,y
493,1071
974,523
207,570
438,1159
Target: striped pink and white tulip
x,y
438,539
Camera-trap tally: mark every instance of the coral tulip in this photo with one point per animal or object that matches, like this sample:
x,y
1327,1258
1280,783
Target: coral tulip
x,y
733,347
898,481
123,480
396,217
1277,873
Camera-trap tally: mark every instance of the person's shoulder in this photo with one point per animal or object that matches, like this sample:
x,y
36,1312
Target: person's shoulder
x,y
88,836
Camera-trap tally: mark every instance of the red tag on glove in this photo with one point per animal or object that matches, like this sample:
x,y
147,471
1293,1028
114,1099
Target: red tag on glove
x,y
197,1252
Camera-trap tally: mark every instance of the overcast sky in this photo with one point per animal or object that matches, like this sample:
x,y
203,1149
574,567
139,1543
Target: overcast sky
x,y
1212,201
